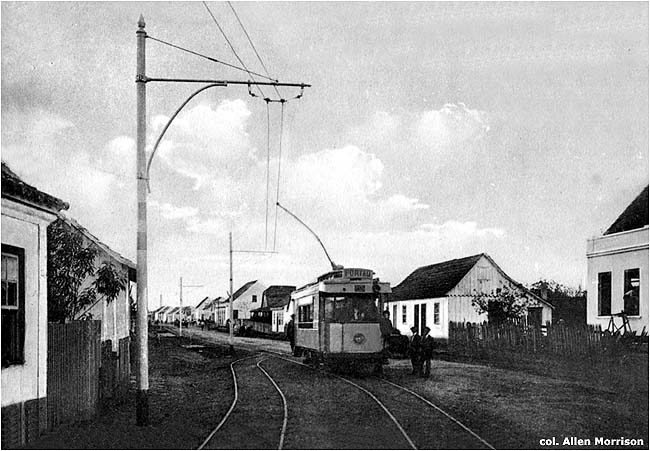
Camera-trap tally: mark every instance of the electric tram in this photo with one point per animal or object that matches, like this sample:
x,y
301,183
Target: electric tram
x,y
337,318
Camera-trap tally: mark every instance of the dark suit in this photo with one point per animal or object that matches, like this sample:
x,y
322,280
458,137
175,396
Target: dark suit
x,y
427,344
415,349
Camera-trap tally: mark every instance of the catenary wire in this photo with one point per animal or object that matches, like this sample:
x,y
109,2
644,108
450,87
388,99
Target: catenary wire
x,y
209,58
232,47
250,41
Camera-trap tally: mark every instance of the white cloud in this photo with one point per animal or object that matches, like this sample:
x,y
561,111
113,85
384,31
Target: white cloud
x,y
453,124
170,211
205,142
461,230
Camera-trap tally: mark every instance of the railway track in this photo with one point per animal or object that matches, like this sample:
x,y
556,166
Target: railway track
x,y
422,424
253,415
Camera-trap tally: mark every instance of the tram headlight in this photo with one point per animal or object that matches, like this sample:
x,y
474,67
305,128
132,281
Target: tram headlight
x,y
359,338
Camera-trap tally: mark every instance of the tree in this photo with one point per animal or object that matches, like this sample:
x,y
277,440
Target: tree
x,y
69,263
505,304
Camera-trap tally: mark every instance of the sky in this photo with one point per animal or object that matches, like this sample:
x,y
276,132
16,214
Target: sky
x,y
432,131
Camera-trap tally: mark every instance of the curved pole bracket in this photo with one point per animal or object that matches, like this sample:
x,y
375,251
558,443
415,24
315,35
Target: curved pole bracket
x,y
171,119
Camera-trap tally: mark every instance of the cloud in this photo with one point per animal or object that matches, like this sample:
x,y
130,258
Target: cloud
x,y
453,124
170,211
205,142
461,229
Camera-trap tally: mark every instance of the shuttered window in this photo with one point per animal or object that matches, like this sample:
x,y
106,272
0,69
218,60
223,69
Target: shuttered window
x,y
13,305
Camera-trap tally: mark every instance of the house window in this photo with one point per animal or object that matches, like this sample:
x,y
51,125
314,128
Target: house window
x,y
394,316
306,316
254,298
403,314
235,314
631,291
13,305
604,293
436,313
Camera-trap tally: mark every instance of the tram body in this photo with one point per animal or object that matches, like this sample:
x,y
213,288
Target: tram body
x,y
337,317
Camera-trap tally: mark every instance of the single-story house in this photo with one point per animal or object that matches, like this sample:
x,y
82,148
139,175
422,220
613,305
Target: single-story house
x,y
617,269
200,311
434,295
115,315
276,298
245,299
26,213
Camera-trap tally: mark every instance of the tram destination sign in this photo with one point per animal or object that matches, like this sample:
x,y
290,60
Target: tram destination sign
x,y
357,273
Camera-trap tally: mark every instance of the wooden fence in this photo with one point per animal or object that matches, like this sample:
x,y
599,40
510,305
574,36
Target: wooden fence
x,y
82,371
518,337
73,361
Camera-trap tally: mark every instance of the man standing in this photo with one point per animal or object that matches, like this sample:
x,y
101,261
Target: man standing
x,y
291,332
415,351
427,351
386,329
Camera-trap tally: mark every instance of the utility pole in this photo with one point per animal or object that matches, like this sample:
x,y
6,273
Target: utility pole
x,y
230,315
182,313
142,175
141,336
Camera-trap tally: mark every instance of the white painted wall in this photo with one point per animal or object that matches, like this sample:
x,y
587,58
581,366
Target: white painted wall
x,y
615,253
244,303
26,228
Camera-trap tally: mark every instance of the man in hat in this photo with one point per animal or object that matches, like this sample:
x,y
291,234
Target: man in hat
x,y
386,329
427,345
291,332
415,349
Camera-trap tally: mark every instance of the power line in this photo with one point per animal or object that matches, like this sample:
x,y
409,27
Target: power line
x,y
231,46
277,192
252,45
209,58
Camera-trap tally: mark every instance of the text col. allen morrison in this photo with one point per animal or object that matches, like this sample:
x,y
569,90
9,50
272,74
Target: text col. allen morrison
x,y
595,441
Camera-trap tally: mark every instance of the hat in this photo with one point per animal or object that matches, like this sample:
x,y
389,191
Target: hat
x,y
414,329
426,329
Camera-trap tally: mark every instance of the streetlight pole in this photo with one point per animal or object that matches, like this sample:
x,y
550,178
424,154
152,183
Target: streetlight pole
x,y
142,345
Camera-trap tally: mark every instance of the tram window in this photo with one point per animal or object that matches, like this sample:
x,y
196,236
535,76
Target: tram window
x,y
352,308
306,317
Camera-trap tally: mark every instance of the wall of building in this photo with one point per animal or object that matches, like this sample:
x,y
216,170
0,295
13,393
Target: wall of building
x,y
616,253
24,387
244,303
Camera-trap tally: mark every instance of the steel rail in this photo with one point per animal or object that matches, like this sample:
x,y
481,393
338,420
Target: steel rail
x,y
422,398
284,402
232,406
373,397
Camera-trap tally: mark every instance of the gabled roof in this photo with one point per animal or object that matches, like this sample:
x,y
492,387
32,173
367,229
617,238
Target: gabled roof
x,y
434,281
635,216
205,302
243,289
110,252
174,310
15,189
277,295
163,309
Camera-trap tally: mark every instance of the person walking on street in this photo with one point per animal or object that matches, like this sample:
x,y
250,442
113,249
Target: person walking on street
x,y
427,351
291,332
386,329
415,351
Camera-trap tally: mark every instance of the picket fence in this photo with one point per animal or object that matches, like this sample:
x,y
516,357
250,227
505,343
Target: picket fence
x,y
518,337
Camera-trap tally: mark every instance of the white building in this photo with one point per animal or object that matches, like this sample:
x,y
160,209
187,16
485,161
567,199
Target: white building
x,y
434,295
26,213
248,297
116,314
276,299
617,269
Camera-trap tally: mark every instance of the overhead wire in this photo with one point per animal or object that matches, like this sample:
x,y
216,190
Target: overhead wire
x,y
232,47
250,41
277,191
209,58
268,164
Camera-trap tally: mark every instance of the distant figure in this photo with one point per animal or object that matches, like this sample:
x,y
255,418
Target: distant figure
x,y
386,329
202,322
427,351
358,315
228,325
291,332
415,348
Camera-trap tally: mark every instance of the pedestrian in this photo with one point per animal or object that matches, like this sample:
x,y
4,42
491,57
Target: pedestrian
x,y
291,332
386,329
427,351
415,351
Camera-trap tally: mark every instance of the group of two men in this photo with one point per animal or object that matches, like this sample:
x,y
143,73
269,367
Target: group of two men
x,y
421,351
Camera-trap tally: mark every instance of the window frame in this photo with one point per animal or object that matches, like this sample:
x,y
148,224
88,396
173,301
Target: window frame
x,y
436,313
404,314
628,284
601,292
17,351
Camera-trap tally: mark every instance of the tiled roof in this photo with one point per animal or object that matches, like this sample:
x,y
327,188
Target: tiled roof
x,y
277,295
204,304
243,289
635,215
434,281
14,188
